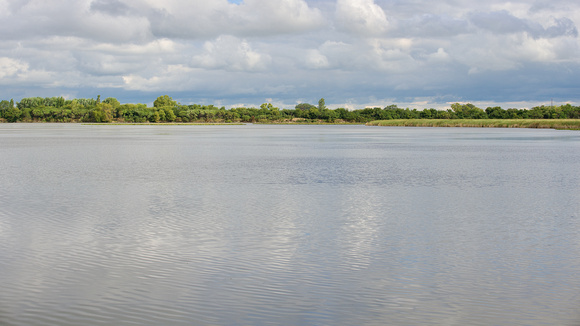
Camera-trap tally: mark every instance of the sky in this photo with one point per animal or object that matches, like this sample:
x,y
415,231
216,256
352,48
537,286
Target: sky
x,y
353,53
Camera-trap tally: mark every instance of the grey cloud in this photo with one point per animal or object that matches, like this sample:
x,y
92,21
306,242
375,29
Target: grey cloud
x,y
503,22
562,27
166,24
248,19
110,7
100,64
543,6
343,50
160,20
342,55
43,20
231,54
17,5
430,25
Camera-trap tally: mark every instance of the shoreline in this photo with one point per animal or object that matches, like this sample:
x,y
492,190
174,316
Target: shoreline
x,y
559,124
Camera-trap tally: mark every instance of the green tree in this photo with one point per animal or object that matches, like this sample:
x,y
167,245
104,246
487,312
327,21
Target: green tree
x,y
30,102
313,113
59,102
266,106
468,111
304,106
443,115
112,101
12,114
155,117
495,112
321,105
164,100
5,105
103,112
169,114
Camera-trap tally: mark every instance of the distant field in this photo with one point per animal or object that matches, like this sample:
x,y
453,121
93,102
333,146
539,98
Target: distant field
x,y
573,124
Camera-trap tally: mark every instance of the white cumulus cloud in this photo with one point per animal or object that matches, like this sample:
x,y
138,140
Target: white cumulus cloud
x,y
347,51
230,53
361,17
11,67
316,60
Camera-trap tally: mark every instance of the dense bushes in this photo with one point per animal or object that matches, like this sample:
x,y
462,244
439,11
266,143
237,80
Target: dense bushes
x,y
57,109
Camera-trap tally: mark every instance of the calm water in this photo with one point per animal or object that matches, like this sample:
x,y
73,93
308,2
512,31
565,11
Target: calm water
x,y
292,225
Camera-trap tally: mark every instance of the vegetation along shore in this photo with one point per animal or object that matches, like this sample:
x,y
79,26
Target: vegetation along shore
x,y
569,124
166,110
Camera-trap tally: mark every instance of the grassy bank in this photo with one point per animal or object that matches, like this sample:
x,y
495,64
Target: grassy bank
x,y
163,124
570,124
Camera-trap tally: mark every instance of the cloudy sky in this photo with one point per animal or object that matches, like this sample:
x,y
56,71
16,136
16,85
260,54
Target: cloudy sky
x,y
354,53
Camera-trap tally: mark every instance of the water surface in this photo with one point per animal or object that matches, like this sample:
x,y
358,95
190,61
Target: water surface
x,y
292,225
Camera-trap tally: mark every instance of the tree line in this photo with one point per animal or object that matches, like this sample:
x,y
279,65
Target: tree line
x,y
165,109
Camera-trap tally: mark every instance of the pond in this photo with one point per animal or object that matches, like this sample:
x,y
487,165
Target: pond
x,y
289,225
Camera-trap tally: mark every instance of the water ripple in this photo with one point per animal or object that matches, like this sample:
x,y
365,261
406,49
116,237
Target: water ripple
x,y
263,225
